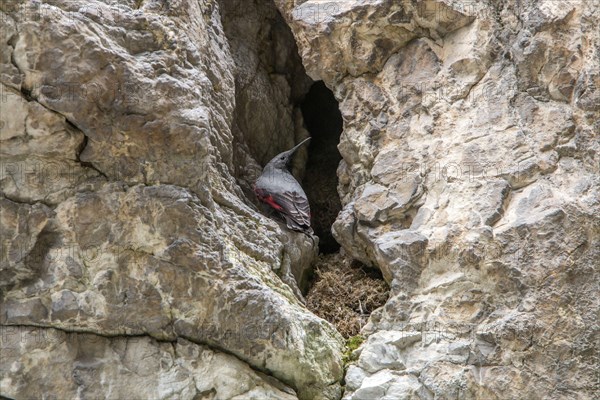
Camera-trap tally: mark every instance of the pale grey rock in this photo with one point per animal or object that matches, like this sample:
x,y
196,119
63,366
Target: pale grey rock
x,y
21,225
126,161
470,178
374,386
380,203
159,276
39,152
400,256
405,387
354,377
378,356
382,350
358,37
72,362
387,385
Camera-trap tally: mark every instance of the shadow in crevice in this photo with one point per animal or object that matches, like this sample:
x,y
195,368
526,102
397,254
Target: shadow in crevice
x,y
323,120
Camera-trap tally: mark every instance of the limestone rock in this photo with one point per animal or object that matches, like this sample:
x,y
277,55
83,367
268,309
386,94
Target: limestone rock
x,y
72,362
40,151
357,37
382,350
470,178
126,159
21,228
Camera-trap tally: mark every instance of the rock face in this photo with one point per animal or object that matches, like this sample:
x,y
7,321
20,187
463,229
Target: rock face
x,y
128,144
132,250
470,177
71,363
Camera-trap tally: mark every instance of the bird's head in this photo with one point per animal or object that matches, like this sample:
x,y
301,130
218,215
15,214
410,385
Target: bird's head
x,y
284,160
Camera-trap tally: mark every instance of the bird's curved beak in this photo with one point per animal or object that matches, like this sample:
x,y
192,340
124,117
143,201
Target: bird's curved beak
x,y
296,147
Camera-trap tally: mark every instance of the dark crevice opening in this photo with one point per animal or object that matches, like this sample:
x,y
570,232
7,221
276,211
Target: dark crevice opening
x,y
323,120
80,149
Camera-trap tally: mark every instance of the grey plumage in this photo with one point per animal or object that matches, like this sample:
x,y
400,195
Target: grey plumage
x,y
278,188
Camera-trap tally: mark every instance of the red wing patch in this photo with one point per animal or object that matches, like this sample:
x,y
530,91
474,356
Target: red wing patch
x,y
292,205
268,199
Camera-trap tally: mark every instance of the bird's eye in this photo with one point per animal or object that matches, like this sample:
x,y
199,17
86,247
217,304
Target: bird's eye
x,y
282,158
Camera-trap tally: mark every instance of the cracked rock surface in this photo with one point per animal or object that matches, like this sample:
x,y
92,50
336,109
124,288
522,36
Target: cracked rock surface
x,y
470,177
135,263
72,362
131,250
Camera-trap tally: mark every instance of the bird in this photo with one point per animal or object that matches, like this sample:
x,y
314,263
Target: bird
x,y
278,188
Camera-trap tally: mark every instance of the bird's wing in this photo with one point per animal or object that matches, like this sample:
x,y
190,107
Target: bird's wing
x,y
295,206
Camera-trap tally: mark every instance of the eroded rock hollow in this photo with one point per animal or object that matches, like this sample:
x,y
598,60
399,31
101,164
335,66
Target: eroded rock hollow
x,y
323,120
136,263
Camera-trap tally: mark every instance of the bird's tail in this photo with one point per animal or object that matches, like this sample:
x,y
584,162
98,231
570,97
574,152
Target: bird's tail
x,y
306,229
311,234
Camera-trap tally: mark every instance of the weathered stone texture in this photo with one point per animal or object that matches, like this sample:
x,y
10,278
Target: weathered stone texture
x,y
131,132
124,128
470,177
91,366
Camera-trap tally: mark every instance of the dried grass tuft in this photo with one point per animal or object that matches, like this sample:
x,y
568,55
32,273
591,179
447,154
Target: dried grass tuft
x,y
345,293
